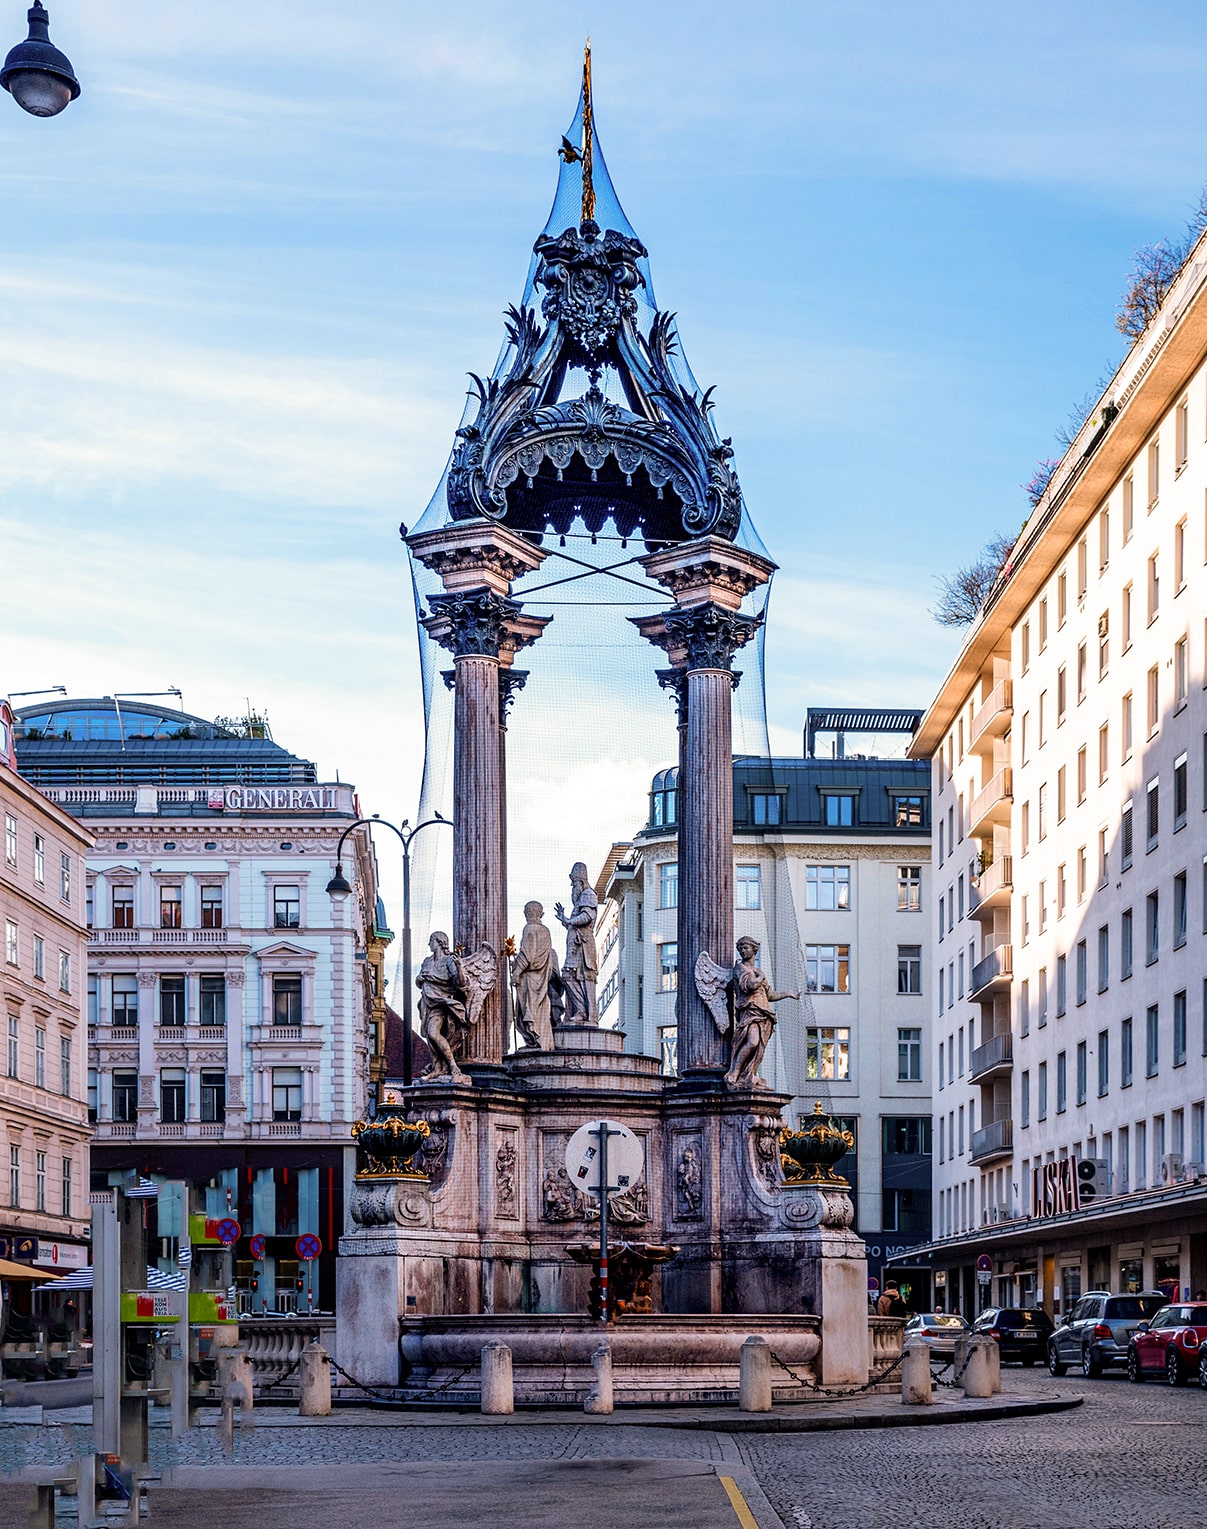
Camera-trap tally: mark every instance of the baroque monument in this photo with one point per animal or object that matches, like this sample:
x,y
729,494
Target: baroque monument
x,y
592,416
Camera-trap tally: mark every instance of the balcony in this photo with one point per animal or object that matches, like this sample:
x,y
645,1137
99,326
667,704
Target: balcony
x,y
164,937
992,974
993,1140
113,936
993,719
993,887
992,805
995,1058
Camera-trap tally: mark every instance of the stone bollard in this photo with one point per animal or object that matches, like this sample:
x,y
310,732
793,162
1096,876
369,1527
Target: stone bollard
x,y
916,1380
235,1382
498,1390
599,1397
978,1380
315,1400
995,1366
754,1389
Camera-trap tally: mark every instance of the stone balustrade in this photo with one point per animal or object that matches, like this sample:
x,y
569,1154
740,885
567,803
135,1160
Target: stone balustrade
x,y
274,1344
885,1338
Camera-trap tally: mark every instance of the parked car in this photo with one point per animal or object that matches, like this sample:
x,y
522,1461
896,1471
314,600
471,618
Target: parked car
x,y
1171,1344
1096,1333
1021,1332
940,1329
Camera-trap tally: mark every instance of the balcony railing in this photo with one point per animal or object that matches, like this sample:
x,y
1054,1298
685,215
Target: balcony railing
x,y
994,971
993,804
993,719
113,936
996,1055
994,1140
994,886
162,937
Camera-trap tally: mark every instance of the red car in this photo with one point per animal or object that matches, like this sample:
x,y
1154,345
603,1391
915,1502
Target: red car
x,y
1171,1344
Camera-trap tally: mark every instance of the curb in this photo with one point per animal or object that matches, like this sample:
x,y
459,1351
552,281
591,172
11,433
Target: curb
x,y
924,1417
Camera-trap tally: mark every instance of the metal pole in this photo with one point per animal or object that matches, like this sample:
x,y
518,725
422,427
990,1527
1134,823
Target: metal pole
x,y
603,1221
407,978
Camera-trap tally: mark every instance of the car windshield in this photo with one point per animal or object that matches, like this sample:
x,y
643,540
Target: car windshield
x,y
1134,1308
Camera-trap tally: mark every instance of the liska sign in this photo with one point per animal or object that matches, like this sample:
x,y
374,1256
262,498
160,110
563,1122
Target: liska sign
x,y
274,799
1071,1184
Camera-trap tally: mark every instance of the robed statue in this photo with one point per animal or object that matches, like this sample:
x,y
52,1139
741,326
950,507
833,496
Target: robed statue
x,y
581,966
452,991
533,968
740,1001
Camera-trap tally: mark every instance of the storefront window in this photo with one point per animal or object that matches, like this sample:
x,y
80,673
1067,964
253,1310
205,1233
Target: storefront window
x,y
1167,1276
1131,1276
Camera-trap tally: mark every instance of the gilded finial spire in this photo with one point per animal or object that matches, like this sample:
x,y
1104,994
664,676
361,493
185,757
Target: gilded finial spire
x,y
588,128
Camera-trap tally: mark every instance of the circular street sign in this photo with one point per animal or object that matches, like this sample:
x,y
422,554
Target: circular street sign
x,y
308,1245
228,1231
625,1157
984,1264
873,1284
257,1245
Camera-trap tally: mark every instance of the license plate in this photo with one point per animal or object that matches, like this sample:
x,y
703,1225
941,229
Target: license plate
x,y
1026,1337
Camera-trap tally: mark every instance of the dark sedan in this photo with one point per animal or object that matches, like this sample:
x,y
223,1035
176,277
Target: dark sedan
x,y
1021,1332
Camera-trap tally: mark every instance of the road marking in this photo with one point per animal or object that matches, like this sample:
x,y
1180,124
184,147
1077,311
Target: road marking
x,y
745,1517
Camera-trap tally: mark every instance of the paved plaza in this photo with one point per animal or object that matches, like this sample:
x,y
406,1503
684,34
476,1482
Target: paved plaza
x,y
1130,1457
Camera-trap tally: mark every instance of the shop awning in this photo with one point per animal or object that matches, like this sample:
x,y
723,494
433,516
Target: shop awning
x,y
10,1270
81,1279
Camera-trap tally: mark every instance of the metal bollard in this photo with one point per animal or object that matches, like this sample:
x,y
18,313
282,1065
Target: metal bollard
x,y
498,1390
978,1381
315,1400
754,1388
599,1397
917,1387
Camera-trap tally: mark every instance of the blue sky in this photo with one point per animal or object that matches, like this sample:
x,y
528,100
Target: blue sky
x,y
243,277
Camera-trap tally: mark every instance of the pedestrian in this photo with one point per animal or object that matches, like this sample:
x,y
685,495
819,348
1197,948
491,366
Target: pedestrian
x,y
884,1304
939,1304
897,1307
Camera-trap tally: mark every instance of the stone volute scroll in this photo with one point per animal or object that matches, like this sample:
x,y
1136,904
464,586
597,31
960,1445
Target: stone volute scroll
x,y
740,1001
452,992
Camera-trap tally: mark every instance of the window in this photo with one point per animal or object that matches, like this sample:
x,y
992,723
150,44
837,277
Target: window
x,y
40,1180
1025,1099
664,808
1024,1007
1179,1029
1041,1104
1154,699
213,1000
94,1089
1129,507
213,1096
909,968
172,1096
1080,970
668,885
1154,472
766,809
668,1050
1180,793
1082,569
39,1057
1082,1071
65,1066
749,887
169,907
14,1046
211,907
171,1000
1025,647
1062,985
909,888
39,958
123,907
1062,890
40,860
1104,1063
827,887
1104,859
1179,909
1062,694
287,1000
668,966
94,1001
1181,435
125,1001
12,943
1062,599
907,812
1024,733
1181,671
1154,811
1043,811
1062,1082
1041,903
1062,794
828,1054
65,877
838,809
909,1055
828,968
1104,759
287,1093
125,1097
65,1189
1081,672
1151,1041
1024,831
1104,958
1082,873
1179,557
1152,924
1081,775
1125,733
64,971
14,1177
1043,624
1104,539
941,917
10,840
1154,587
1026,918
1125,944
286,907
1125,837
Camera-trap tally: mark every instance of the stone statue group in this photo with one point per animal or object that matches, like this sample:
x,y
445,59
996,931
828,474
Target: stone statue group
x,y
454,987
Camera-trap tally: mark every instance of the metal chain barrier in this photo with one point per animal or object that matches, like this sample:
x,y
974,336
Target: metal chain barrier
x,y
954,1383
282,1378
835,1393
415,1396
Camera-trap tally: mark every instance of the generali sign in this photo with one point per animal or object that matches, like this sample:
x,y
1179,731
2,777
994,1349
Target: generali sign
x,y
274,798
1054,1188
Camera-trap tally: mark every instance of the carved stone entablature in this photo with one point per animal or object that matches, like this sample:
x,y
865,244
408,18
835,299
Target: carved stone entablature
x,y
710,635
708,569
470,624
589,281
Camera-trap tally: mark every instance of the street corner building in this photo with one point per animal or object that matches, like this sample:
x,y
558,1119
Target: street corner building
x,y
235,1011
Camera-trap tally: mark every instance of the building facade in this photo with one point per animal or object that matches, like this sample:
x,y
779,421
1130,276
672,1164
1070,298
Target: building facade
x,y
235,1009
1069,757
832,877
43,1114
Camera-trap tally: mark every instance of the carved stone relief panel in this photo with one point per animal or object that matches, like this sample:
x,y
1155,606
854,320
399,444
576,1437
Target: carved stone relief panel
x,y
505,1172
689,1178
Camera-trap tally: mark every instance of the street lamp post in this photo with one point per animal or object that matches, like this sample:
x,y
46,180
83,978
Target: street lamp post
x,y
37,76
339,887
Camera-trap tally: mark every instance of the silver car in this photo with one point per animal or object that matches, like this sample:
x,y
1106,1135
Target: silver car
x,y
940,1329
1096,1333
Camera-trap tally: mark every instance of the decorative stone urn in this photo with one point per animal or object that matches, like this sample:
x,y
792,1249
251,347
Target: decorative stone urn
x,y
388,1144
808,1155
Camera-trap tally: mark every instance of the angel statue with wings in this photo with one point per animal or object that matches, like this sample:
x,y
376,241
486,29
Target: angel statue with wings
x,y
748,994
452,991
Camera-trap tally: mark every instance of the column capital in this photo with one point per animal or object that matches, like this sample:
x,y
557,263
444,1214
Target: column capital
x,y
675,680
480,623
511,682
698,636
708,571
476,554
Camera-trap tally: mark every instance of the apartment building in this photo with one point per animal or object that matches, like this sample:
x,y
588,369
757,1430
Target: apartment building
x,y
235,1011
1068,747
43,1115
832,876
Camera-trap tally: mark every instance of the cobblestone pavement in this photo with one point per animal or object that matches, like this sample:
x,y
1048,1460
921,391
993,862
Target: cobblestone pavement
x,y
1130,1458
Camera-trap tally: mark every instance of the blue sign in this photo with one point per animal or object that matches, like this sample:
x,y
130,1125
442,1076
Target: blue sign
x,y
20,1248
